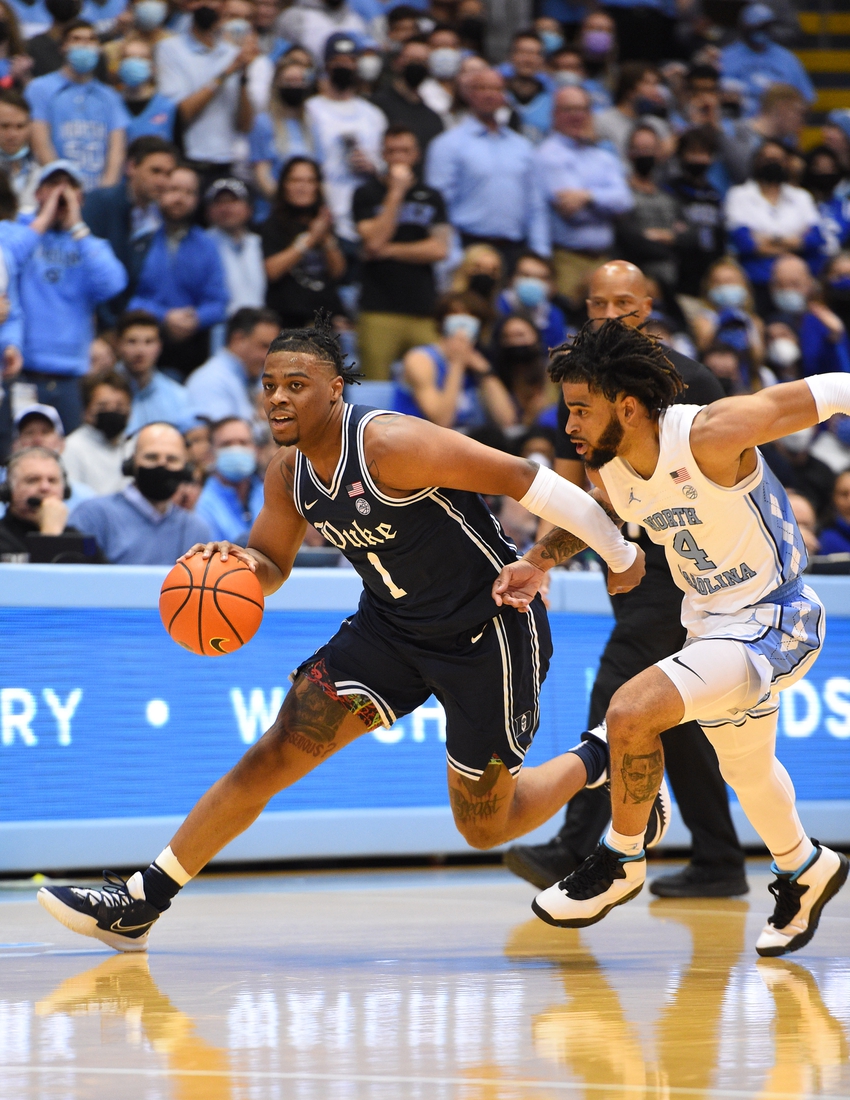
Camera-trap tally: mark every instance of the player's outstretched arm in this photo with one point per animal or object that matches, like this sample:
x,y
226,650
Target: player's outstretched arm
x,y
726,430
405,454
276,535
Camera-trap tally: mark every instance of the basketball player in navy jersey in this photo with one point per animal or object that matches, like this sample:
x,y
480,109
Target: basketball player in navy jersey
x,y
399,497
692,476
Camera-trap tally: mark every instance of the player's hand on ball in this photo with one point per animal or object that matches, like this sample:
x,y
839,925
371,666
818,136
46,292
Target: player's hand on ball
x,y
518,584
631,578
226,549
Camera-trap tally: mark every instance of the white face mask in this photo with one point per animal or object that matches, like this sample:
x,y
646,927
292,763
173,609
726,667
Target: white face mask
x,y
798,442
444,63
783,351
462,322
369,67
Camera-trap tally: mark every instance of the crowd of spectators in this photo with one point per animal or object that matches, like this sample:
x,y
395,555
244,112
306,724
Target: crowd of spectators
x,y
179,179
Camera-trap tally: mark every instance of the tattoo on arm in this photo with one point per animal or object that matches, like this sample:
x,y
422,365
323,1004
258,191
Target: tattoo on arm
x,y
642,776
558,546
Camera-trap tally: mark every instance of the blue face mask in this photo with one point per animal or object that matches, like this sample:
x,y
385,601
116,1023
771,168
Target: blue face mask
x,y
150,14
789,301
236,463
83,59
134,71
728,296
236,29
530,291
551,41
759,40
462,322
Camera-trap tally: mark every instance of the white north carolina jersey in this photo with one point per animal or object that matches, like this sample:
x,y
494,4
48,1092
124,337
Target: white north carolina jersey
x,y
727,548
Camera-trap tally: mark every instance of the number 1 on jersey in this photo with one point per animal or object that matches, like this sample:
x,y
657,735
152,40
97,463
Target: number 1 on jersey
x,y
395,591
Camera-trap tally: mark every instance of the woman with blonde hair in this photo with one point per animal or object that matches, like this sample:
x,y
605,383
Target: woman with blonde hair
x,y
481,271
282,132
726,312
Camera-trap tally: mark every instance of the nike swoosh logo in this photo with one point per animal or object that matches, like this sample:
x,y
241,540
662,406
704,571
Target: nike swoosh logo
x,y
688,667
216,644
307,507
478,637
117,926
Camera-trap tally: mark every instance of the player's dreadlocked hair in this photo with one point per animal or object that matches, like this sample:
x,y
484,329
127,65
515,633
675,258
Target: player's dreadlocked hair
x,y
613,359
320,341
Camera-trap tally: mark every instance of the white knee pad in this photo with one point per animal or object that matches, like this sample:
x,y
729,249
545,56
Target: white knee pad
x,y
717,679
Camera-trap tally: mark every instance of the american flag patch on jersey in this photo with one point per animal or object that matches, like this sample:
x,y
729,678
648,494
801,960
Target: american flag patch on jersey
x,y
355,489
680,475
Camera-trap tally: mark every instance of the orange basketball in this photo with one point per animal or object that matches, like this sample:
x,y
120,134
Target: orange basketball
x,y
210,606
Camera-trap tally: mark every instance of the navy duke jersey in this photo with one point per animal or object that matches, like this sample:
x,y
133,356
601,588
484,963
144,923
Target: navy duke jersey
x,y
427,561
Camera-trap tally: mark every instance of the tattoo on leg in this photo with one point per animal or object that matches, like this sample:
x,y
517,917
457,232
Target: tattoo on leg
x,y
482,786
359,705
479,810
642,776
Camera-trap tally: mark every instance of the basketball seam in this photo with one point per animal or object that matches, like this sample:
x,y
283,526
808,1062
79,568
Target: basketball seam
x,y
188,594
218,608
225,592
203,587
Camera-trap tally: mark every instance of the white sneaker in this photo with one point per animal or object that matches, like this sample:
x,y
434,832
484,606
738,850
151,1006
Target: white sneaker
x,y
800,898
605,879
598,733
659,817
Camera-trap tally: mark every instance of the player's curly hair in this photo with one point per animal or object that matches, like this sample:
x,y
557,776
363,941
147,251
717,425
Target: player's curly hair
x,y
320,341
613,359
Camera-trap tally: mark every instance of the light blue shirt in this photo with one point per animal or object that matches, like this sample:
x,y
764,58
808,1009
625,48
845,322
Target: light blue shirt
x,y
184,66
103,15
221,387
564,164
130,531
487,178
161,399
759,69
157,119
81,118
227,516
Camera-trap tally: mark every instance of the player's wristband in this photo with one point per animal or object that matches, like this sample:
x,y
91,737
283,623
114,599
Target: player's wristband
x,y
831,393
560,502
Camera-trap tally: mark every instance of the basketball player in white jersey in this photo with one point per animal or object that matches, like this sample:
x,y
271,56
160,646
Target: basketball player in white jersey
x,y
693,477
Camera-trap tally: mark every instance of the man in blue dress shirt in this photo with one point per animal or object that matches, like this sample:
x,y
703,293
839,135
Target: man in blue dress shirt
x,y
757,61
228,383
156,397
585,188
485,172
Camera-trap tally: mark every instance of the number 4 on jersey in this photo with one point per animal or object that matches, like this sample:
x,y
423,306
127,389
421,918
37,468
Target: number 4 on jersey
x,y
684,544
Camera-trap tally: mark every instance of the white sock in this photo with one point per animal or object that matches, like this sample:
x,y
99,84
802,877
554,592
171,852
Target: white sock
x,y
794,860
628,845
167,861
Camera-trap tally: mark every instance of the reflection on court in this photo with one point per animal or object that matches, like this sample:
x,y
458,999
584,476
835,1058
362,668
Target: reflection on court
x,y
423,985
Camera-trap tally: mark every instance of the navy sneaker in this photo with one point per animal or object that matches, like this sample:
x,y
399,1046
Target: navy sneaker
x,y
117,914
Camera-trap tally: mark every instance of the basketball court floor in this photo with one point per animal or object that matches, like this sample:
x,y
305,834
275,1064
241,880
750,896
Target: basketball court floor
x,y
421,984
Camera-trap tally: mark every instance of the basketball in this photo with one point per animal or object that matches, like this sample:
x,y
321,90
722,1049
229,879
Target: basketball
x,y
210,606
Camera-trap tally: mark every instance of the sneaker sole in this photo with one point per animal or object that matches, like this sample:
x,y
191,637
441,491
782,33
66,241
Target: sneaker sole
x,y
700,890
87,926
527,869
583,922
829,892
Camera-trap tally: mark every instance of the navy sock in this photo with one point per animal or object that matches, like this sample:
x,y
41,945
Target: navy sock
x,y
594,755
160,888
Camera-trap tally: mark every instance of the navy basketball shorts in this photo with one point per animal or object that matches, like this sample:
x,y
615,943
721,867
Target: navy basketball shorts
x,y
487,679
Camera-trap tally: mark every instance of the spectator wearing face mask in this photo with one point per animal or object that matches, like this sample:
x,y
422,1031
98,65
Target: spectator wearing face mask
x,y
702,240
824,347
735,371
585,188
481,270
598,46
647,235
94,452
347,134
155,395
228,208
400,99
141,524
520,363
757,61
312,25
822,178
782,350
639,97
283,131
528,89
450,382
767,216
143,21
207,77
45,48
402,224
151,113
530,295
835,537
726,311
836,286
439,89
77,118
233,494
782,114
17,159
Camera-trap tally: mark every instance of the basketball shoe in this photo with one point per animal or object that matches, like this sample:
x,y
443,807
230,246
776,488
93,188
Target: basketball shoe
x,y
800,898
605,879
117,913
